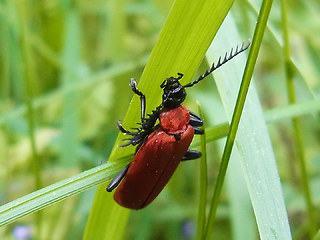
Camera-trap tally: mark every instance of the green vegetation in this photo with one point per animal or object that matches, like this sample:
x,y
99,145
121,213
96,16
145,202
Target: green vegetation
x,y
65,67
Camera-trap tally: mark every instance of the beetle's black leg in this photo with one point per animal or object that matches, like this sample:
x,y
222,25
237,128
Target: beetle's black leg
x,y
117,179
195,120
195,115
121,128
198,131
191,154
133,86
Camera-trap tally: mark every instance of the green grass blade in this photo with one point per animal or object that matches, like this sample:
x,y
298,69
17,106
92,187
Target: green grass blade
x,y
30,81
106,220
30,89
257,38
58,191
297,127
317,236
241,213
203,185
271,116
299,70
258,162
68,187
185,38
292,110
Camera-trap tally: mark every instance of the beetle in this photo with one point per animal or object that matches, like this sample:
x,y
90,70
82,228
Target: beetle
x,y
160,147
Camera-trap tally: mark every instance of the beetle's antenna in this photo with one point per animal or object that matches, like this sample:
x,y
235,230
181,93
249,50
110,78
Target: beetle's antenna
x,y
219,64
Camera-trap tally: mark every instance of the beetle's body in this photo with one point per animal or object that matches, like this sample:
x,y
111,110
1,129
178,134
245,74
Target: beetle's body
x,y
160,148
156,160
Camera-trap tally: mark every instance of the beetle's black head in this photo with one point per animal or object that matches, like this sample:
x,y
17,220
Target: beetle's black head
x,y
173,92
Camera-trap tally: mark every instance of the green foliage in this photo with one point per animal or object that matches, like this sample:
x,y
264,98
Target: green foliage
x,y
65,68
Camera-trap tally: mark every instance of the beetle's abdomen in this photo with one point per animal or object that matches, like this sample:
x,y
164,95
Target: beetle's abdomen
x,y
152,167
174,120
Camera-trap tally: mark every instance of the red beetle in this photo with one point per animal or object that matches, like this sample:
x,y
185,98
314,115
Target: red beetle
x,y
160,147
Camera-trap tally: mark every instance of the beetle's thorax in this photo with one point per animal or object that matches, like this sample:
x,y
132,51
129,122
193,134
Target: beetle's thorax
x,y
175,120
173,92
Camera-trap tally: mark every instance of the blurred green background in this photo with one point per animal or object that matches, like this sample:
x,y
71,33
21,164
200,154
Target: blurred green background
x,y
64,73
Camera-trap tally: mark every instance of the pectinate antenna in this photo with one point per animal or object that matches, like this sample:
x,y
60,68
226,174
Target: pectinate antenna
x,y
227,57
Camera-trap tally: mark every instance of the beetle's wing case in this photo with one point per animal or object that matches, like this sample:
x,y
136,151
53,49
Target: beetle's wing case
x,y
151,168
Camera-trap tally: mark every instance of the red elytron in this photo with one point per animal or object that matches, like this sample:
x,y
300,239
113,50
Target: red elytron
x,y
160,147
155,161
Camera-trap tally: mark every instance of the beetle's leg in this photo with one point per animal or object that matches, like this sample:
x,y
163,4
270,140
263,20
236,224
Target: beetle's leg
x,y
117,179
191,154
198,131
121,128
195,120
133,86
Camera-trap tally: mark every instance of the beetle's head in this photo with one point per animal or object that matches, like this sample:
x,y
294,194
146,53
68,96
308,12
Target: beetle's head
x,y
173,92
